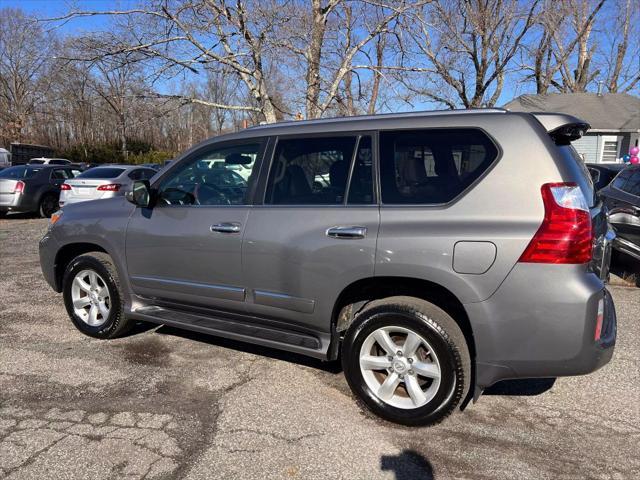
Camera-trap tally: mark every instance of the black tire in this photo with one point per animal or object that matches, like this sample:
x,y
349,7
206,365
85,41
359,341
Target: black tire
x,y
3,213
440,331
116,323
48,205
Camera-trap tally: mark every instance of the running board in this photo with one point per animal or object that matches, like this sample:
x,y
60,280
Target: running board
x,y
261,334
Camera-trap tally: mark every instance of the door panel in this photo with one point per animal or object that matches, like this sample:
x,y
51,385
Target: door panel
x,y
295,271
316,232
188,247
172,254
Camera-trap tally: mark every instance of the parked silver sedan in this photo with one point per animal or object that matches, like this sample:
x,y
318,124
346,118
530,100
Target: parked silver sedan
x,y
102,182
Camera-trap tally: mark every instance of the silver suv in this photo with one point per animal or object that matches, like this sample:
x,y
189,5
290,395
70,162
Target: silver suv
x,y
434,253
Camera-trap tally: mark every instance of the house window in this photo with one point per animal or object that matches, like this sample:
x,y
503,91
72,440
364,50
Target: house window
x,y
610,148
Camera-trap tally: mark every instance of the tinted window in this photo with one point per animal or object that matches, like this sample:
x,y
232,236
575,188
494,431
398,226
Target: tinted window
x,y
19,172
621,179
432,166
221,176
310,171
61,174
361,186
141,174
633,184
36,162
59,162
102,172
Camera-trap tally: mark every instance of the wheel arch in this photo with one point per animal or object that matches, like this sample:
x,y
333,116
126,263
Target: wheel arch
x,y
357,294
70,251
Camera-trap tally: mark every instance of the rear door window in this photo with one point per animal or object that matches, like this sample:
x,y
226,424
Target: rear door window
x,y
432,166
61,174
317,170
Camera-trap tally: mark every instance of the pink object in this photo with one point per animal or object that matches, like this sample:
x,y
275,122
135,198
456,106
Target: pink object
x,y
634,151
634,160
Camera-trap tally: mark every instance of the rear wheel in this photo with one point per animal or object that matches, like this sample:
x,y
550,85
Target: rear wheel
x,y
93,298
48,205
407,360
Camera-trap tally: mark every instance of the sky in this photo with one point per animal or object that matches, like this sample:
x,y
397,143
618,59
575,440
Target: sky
x,y
54,8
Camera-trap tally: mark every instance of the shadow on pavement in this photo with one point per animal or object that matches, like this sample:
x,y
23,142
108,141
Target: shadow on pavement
x,y
330,367
408,465
525,387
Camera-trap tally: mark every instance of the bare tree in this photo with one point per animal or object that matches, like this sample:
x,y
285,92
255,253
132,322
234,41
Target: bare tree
x,y
623,73
564,57
467,46
25,54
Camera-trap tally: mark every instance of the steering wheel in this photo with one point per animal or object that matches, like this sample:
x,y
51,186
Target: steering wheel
x,y
207,194
176,196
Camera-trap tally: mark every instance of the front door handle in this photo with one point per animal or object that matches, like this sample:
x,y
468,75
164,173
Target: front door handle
x,y
347,233
225,227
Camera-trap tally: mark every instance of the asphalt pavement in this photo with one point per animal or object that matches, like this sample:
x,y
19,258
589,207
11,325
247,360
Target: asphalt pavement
x,y
162,403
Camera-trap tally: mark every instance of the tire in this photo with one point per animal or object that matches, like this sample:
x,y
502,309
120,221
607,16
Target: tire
x,y
48,205
442,346
114,323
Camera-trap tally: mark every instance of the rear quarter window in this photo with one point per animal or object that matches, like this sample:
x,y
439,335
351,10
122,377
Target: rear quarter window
x,y
432,166
102,172
19,172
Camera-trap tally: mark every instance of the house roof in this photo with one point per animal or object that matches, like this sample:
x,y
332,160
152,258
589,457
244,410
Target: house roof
x,y
618,112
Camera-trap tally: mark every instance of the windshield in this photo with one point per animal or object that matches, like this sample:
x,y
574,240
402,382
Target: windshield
x,y
36,162
19,172
102,172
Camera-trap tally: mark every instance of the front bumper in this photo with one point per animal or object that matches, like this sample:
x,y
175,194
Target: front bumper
x,y
48,249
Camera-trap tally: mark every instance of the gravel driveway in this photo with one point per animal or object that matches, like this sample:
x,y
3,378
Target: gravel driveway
x,y
162,403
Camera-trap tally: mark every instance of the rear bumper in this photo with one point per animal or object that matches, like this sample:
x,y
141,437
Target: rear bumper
x,y
541,323
16,203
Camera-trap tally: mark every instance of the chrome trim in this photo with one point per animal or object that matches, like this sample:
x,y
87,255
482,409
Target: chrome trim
x,y
284,301
347,233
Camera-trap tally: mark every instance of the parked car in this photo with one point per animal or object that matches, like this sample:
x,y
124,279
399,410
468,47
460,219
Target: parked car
x,y
49,161
603,173
5,158
102,182
622,198
32,188
154,166
440,258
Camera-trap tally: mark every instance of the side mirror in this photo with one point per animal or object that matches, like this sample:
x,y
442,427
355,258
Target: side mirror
x,y
140,194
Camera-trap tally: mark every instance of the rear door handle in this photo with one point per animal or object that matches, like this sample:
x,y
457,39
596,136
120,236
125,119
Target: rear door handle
x,y
347,233
225,227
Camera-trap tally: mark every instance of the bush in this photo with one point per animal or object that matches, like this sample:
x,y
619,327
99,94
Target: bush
x,y
139,151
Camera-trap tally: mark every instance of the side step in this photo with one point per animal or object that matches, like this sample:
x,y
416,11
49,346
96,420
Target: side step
x,y
261,334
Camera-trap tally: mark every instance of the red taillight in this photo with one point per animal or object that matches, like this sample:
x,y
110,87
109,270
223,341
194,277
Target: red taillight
x,y
565,234
64,186
111,187
19,188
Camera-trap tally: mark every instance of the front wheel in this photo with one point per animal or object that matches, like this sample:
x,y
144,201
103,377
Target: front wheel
x,y
407,360
93,298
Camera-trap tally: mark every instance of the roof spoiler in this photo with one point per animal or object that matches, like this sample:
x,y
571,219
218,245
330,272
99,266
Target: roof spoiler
x,y
562,128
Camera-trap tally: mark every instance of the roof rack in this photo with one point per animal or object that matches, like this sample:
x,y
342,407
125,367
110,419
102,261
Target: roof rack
x,y
426,113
